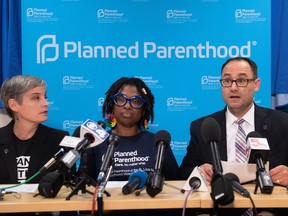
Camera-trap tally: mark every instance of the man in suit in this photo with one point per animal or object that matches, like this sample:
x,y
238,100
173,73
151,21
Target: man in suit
x,y
239,81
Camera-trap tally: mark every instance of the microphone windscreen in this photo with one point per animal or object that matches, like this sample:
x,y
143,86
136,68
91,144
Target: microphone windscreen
x,y
142,175
210,130
253,134
232,177
163,136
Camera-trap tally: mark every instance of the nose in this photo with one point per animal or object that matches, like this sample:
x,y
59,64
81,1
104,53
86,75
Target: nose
x,y
234,85
127,105
45,103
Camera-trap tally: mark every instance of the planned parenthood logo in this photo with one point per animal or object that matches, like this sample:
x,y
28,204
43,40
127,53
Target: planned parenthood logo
x,y
40,15
178,145
100,102
210,82
179,104
71,124
47,46
175,16
105,15
248,16
76,83
150,82
48,51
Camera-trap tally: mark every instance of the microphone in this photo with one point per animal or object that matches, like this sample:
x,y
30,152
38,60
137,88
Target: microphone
x,y
211,134
234,180
258,153
162,140
51,183
136,180
257,146
194,183
53,160
155,180
91,134
113,142
221,189
97,130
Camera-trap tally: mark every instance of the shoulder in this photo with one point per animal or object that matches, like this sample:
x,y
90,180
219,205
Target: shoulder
x,y
218,116
7,127
270,113
6,132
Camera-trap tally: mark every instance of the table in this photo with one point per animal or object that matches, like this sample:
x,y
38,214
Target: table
x,y
168,198
278,199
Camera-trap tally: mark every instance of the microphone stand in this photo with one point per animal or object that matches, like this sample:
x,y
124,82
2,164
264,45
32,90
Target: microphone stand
x,y
155,182
85,179
215,209
266,186
257,181
102,190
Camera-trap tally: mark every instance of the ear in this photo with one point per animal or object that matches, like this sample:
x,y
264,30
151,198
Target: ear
x,y
257,84
14,106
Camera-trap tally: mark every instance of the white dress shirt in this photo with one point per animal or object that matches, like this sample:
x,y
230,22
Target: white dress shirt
x,y
231,129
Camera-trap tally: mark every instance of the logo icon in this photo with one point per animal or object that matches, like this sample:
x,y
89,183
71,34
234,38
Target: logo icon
x,y
169,14
43,51
238,13
29,12
100,13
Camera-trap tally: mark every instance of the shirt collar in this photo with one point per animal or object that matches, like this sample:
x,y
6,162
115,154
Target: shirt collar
x,y
248,117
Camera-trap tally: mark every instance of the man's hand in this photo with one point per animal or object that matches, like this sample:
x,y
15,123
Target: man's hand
x,y
279,175
206,170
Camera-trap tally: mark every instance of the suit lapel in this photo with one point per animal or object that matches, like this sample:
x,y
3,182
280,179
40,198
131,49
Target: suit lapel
x,y
262,123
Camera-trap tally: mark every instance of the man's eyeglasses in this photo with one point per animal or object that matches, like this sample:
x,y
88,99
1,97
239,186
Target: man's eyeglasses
x,y
239,82
136,101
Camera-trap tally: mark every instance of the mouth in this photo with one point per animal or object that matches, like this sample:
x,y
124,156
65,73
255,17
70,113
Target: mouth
x,y
126,114
234,97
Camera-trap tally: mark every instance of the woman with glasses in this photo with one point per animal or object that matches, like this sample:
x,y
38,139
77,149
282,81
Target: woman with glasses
x,y
127,109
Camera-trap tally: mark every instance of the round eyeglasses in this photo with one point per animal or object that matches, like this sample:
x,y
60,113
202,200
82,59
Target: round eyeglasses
x,y
120,100
239,82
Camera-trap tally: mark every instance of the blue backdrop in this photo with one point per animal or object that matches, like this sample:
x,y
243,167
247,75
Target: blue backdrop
x,y
177,47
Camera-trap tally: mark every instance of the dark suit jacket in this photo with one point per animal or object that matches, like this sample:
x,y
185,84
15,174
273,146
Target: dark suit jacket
x,y
45,146
270,124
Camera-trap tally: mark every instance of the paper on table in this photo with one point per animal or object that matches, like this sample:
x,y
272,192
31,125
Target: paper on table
x,y
245,171
115,184
25,188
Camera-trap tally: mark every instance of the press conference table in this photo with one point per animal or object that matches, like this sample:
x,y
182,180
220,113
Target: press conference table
x,y
168,198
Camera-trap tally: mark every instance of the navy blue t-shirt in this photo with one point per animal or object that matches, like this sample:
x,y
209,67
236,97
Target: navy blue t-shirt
x,y
131,154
